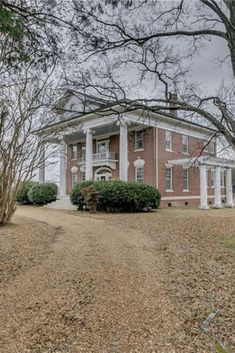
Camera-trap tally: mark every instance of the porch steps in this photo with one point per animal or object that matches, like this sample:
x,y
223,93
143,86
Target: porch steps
x,y
62,204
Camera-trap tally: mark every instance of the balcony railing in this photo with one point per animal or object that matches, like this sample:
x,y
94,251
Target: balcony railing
x,y
104,155
96,157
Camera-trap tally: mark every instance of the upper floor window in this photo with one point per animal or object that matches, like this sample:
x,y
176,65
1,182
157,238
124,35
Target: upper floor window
x,y
168,179
209,146
139,140
139,175
74,151
185,180
168,141
103,146
185,144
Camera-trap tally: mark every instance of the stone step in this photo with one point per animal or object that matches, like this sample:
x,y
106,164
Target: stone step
x,y
62,203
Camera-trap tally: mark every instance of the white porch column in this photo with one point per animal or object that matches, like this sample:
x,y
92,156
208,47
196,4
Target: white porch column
x,y
89,154
217,185
229,188
63,160
203,187
41,173
123,152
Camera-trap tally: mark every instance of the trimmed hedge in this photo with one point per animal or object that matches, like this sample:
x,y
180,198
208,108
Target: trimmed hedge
x,y
76,196
42,194
22,196
119,196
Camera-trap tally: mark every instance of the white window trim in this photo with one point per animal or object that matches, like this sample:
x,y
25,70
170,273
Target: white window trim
x,y
212,171
170,190
72,175
222,185
136,174
186,190
76,153
171,140
107,142
207,144
186,153
139,149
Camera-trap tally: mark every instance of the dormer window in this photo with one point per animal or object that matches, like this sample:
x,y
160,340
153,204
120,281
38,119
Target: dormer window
x,y
209,146
168,140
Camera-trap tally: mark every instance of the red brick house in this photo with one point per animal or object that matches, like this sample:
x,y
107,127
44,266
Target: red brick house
x,y
109,141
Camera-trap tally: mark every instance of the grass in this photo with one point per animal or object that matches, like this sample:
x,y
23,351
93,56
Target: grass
x,y
229,243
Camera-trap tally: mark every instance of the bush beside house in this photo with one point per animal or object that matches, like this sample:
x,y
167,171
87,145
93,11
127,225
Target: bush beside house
x,y
115,196
23,194
37,194
42,194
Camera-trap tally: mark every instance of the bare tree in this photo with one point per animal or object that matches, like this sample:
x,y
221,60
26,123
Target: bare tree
x,y
160,42
25,102
28,60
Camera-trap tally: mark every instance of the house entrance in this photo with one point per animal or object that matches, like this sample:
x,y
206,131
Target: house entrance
x,y
103,174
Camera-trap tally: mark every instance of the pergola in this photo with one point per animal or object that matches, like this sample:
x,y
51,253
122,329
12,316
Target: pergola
x,y
217,164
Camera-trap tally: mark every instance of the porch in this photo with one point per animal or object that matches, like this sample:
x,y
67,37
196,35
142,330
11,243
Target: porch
x,y
218,165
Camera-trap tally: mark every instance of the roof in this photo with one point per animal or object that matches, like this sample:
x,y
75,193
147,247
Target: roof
x,y
106,106
210,161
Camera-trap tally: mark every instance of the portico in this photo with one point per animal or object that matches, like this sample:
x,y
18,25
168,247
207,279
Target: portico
x,y
103,157
217,165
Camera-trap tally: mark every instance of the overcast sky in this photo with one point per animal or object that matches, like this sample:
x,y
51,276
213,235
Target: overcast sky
x,y
206,71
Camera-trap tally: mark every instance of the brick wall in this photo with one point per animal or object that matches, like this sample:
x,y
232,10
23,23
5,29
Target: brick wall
x,y
154,149
195,149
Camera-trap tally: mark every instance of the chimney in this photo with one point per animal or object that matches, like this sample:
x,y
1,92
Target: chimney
x,y
172,104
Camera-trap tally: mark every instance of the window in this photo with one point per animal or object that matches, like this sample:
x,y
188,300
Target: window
x,y
139,174
185,144
209,146
74,179
222,176
139,140
83,152
185,180
168,141
212,178
74,151
83,176
168,179
103,146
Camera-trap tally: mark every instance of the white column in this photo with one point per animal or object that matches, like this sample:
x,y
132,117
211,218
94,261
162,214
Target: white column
x,y
217,185
123,152
229,188
41,173
89,154
203,187
63,161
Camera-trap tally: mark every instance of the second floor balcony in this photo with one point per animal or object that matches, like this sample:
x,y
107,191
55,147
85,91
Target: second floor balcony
x,y
102,159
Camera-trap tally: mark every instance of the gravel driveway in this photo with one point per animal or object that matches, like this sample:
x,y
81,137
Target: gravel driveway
x,y
115,283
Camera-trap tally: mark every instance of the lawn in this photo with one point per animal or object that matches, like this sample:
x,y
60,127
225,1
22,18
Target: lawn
x,y
72,283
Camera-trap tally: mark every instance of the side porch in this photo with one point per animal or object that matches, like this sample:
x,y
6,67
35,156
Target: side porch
x,y
216,166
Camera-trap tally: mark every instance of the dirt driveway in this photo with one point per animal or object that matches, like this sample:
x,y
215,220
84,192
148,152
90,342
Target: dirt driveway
x,y
117,283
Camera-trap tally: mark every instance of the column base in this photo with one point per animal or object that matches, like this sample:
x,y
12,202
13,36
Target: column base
x,y
204,207
229,205
217,206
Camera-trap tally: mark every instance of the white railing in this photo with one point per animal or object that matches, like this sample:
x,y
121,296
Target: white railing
x,y
104,155
101,156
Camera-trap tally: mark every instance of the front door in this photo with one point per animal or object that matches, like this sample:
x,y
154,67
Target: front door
x,y
103,175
